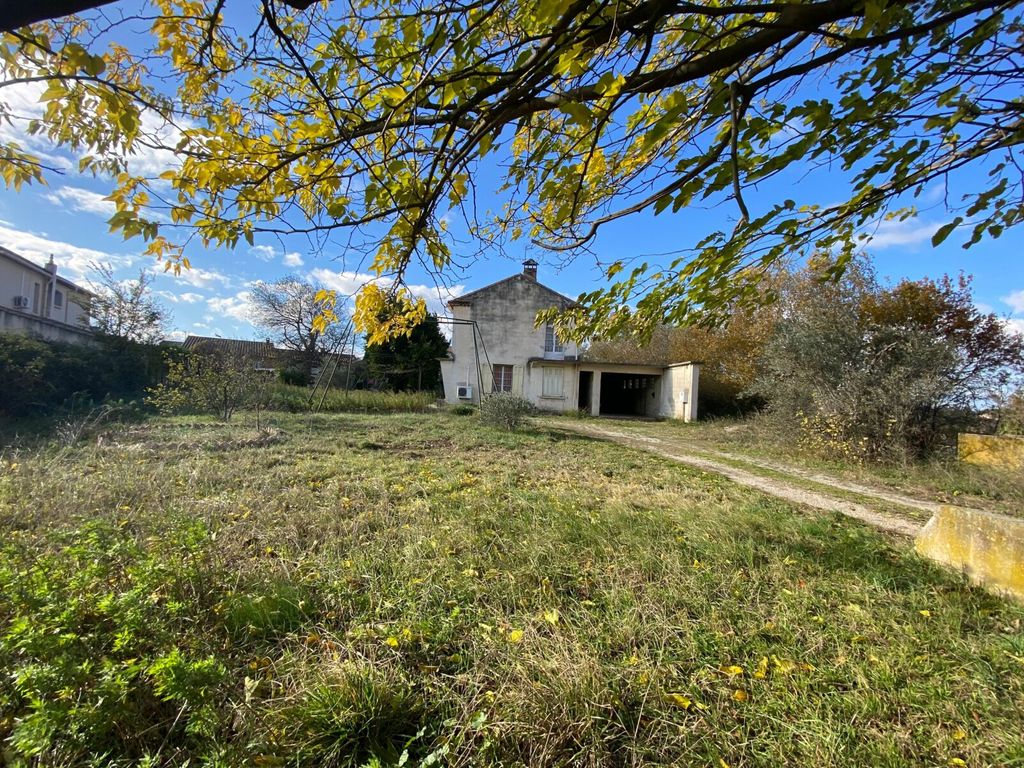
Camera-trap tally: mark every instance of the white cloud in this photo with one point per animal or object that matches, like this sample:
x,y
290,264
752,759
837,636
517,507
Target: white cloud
x,y
292,260
263,252
1015,300
197,277
72,260
82,200
909,232
157,154
348,283
152,155
238,306
1015,324
181,298
176,335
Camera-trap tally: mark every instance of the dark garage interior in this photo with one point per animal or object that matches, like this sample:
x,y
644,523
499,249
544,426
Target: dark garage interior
x,y
627,394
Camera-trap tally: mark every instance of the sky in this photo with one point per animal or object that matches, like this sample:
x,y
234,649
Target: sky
x,y
67,219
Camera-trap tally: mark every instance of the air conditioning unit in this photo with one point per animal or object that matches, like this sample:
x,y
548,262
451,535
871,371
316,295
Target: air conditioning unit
x,y
21,302
465,392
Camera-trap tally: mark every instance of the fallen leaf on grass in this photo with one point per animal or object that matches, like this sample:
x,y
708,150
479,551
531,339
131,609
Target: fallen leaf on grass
x,y
678,700
761,670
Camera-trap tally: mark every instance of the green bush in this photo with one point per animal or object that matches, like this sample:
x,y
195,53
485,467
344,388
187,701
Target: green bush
x,y
505,410
41,377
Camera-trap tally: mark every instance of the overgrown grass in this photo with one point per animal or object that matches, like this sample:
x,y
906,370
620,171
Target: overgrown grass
x,y
942,479
286,397
346,590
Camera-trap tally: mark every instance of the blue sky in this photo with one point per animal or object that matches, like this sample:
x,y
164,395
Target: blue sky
x,y
67,219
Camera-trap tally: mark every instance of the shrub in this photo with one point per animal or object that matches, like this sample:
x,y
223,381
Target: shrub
x,y
863,371
463,409
505,410
211,383
41,376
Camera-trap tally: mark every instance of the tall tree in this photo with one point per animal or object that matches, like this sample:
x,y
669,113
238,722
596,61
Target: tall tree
x,y
125,310
409,361
378,117
868,370
288,309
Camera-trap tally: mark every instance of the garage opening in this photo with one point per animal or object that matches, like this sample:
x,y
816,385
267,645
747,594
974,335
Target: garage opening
x,y
586,382
628,394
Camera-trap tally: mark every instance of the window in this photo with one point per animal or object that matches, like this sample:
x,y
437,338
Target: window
x,y
552,345
58,299
502,378
552,382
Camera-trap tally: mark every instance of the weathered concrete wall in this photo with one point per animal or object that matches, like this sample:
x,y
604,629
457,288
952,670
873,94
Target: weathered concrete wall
x,y
505,314
679,391
991,450
988,547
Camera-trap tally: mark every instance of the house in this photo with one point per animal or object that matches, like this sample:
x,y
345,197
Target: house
x,y
265,356
496,347
35,300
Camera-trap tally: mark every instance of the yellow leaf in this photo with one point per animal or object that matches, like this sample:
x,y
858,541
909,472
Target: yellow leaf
x,y
956,761
740,695
959,734
678,700
551,616
392,641
732,670
761,670
926,614
785,666
515,636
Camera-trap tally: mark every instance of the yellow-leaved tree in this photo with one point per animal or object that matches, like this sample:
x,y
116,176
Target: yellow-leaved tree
x,y
538,121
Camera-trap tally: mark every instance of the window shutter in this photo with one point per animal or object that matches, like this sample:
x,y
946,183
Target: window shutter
x,y
517,379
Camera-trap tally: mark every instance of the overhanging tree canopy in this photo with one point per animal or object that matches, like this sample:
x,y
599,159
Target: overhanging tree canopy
x,y
536,121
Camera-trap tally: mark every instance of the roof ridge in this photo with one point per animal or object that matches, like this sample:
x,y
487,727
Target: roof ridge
x,y
517,275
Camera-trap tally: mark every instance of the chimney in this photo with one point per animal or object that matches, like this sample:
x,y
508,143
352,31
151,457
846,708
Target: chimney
x,y
530,269
50,266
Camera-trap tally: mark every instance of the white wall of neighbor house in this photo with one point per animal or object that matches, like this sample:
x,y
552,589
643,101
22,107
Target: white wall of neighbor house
x,y
36,302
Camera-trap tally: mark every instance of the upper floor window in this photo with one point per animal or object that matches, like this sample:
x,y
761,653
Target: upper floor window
x,y
552,344
58,299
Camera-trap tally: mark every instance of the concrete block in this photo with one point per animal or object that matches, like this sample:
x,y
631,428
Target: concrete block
x,y
1004,451
988,547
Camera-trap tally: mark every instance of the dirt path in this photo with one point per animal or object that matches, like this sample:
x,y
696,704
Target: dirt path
x,y
716,461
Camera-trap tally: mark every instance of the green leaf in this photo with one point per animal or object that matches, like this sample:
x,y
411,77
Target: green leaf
x,y
946,230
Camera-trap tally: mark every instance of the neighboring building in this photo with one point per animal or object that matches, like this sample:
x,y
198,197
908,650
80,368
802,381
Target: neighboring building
x,y
264,355
497,348
35,300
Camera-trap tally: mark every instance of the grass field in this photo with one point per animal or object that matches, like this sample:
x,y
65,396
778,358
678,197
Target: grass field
x,y
942,478
419,589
